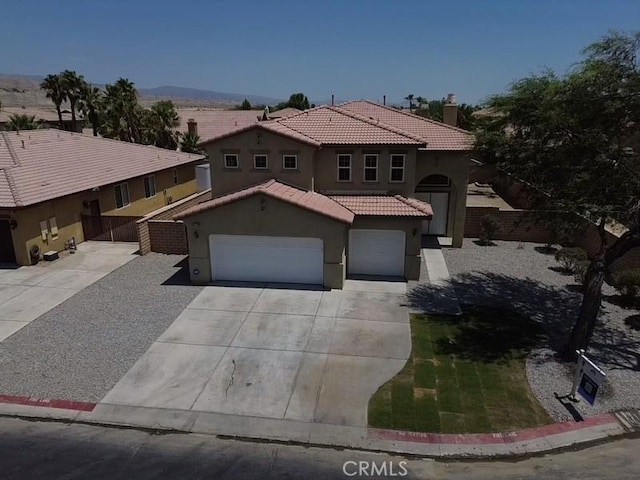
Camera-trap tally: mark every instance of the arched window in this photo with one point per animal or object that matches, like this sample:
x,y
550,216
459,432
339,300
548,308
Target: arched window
x,y
435,181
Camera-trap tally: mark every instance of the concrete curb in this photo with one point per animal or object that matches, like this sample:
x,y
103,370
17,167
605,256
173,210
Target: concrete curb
x,y
470,446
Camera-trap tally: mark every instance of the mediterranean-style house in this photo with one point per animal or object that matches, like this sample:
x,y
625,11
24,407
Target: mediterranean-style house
x,y
327,193
57,185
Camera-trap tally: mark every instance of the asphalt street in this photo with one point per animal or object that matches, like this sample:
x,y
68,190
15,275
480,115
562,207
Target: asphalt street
x,y
49,450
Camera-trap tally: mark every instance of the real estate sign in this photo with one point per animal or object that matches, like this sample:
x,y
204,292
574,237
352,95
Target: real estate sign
x,y
588,378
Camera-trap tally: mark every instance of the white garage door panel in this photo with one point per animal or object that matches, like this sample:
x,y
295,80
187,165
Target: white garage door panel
x,y
249,258
376,252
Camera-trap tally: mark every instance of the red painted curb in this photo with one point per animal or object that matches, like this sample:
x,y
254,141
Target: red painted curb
x,y
48,402
491,438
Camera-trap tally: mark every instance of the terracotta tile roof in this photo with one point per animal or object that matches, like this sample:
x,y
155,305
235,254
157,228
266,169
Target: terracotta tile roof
x,y
437,135
328,126
384,205
336,126
315,202
216,123
39,165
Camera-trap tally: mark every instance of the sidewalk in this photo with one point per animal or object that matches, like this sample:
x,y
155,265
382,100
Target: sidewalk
x,y
491,445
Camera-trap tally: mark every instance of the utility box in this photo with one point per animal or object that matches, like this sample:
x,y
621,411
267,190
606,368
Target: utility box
x,y
50,256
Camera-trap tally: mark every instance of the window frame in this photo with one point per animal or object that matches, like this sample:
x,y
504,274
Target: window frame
x,y
365,168
226,156
447,184
339,167
266,161
115,189
284,164
392,168
145,183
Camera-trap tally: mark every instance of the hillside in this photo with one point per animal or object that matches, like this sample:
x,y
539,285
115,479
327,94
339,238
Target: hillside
x,y
24,91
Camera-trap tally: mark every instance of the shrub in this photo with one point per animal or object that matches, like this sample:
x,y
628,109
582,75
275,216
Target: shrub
x,y
580,271
490,226
627,282
569,257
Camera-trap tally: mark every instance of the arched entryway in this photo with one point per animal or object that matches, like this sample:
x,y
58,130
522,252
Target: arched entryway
x,y
436,190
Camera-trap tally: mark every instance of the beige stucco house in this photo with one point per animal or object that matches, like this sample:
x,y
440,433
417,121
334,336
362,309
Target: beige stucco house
x,y
57,185
327,193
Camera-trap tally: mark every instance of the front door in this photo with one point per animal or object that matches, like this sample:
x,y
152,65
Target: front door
x,y
7,253
92,225
440,204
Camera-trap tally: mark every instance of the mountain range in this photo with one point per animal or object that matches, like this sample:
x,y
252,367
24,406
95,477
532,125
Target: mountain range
x,y
24,90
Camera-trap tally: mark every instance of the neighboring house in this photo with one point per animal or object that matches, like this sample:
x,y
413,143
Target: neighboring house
x,y
55,185
330,192
215,123
46,117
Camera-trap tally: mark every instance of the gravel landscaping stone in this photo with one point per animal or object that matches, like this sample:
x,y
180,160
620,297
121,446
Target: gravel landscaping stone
x,y
82,347
519,276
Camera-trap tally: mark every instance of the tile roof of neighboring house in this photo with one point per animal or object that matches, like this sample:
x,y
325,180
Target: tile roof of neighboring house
x,y
332,126
437,135
41,113
385,205
216,123
315,202
39,165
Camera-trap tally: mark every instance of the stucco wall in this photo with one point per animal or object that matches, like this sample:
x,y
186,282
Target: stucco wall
x,y
258,141
262,215
326,168
68,210
412,229
454,165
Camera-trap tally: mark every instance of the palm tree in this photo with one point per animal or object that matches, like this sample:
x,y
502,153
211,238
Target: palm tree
x,y
189,143
123,115
19,122
52,85
160,123
89,104
73,86
410,98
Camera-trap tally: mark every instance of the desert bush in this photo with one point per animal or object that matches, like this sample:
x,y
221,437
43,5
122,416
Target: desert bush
x,y
569,257
490,226
627,282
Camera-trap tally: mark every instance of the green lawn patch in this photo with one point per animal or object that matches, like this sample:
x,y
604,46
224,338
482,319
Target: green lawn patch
x,y
466,374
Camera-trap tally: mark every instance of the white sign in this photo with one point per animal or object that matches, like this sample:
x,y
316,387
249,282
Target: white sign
x,y
588,378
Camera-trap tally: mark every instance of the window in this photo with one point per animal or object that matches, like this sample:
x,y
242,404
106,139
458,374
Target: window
x,y
371,168
122,195
44,231
231,160
53,227
397,168
290,162
149,186
344,168
175,177
435,181
260,162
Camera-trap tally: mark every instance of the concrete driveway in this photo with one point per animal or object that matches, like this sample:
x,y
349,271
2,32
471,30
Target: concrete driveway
x,y
28,292
276,352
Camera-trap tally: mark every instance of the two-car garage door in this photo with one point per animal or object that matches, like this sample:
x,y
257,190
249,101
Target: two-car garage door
x,y
249,258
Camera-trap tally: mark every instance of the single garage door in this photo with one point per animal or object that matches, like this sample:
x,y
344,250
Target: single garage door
x,y
247,258
376,252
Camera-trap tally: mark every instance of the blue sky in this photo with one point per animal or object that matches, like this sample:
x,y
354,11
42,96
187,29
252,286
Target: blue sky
x,y
350,48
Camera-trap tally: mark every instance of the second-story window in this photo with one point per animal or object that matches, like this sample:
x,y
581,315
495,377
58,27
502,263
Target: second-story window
x,y
290,162
260,162
371,168
397,168
231,160
344,168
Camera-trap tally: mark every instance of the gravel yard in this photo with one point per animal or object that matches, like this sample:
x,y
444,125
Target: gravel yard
x,y
517,275
82,347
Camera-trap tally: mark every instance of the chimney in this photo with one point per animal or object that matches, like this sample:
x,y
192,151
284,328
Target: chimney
x,y
192,126
332,98
450,111
384,99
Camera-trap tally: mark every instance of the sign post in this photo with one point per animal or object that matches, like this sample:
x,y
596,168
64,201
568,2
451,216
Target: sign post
x,y
587,379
